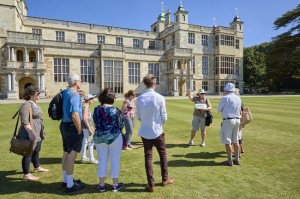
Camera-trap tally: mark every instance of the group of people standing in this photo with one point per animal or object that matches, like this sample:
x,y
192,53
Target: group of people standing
x,y
78,133
77,130
230,107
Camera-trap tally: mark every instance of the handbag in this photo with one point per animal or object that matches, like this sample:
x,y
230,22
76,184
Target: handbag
x,y
18,145
124,144
208,118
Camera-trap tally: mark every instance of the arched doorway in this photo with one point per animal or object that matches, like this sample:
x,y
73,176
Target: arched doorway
x,y
182,87
24,83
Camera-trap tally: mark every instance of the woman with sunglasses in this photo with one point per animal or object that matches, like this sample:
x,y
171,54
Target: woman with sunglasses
x,y
32,130
202,105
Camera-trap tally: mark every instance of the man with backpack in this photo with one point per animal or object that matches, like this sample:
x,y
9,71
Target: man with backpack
x,y
71,132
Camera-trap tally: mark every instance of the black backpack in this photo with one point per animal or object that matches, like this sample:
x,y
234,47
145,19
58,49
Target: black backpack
x,y
55,109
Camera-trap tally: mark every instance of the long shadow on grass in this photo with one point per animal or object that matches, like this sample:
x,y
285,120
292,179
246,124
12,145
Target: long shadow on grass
x,y
11,183
50,160
198,156
203,155
177,145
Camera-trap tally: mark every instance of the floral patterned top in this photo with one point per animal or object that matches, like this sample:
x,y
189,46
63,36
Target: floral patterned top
x,y
108,124
129,111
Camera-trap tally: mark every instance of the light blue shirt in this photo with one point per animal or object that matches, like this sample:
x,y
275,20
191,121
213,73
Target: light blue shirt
x,y
151,111
230,106
71,103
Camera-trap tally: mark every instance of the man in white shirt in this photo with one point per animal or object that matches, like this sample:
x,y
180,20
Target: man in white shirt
x,y
230,107
151,111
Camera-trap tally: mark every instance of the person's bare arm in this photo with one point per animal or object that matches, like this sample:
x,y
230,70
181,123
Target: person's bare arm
x,y
77,122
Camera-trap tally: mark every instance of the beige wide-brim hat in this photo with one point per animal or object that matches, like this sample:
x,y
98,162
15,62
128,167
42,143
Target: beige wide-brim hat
x,y
201,91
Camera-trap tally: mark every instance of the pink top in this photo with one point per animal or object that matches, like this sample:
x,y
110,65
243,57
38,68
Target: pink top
x,y
129,111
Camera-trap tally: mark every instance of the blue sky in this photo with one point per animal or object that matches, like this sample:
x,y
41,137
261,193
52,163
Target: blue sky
x,y
258,15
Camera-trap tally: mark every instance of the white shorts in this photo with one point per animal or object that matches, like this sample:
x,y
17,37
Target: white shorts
x,y
198,123
229,131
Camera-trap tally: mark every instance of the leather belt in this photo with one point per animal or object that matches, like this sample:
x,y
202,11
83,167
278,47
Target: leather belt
x,y
231,118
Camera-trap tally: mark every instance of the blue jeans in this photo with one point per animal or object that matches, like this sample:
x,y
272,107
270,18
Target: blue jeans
x,y
129,125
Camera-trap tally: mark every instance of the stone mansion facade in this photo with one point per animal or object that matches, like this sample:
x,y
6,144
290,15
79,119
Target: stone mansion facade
x,y
43,52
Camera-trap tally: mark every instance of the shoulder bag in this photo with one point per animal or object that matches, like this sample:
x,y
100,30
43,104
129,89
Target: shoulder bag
x,y
21,146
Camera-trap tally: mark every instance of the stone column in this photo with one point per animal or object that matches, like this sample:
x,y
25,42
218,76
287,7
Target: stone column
x,y
13,81
12,54
191,84
8,82
38,55
42,55
25,55
175,65
39,81
8,53
43,82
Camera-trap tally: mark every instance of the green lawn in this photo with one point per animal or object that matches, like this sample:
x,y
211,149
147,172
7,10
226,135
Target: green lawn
x,y
269,167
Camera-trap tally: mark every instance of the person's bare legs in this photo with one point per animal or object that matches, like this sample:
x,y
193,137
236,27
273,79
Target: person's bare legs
x,y
193,133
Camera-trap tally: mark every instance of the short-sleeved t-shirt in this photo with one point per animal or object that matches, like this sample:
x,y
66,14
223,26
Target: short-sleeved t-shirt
x,y
71,103
198,112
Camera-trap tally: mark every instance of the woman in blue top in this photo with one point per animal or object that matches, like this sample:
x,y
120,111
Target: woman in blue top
x,y
108,138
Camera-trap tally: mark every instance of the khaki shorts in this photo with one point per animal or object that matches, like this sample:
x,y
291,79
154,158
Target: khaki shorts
x,y
229,131
198,123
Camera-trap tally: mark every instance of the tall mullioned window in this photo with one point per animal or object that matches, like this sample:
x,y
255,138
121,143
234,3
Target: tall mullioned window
x,y
164,44
154,70
119,41
87,71
237,44
237,67
191,38
217,40
60,36
81,38
134,73
204,40
227,65
113,75
173,40
152,45
205,65
205,85
217,65
36,31
227,40
61,69
101,39
136,43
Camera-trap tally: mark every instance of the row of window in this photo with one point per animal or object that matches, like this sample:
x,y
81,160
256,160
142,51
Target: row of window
x,y
81,38
113,72
224,40
191,39
222,83
227,65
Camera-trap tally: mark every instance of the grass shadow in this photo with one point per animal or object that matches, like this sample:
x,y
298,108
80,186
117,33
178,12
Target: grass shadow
x,y
50,160
177,145
12,184
187,163
203,155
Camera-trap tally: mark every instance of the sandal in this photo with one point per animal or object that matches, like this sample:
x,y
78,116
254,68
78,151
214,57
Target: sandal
x,y
40,169
30,177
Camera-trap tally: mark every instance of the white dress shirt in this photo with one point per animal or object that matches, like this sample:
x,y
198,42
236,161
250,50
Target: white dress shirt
x,y
230,106
151,111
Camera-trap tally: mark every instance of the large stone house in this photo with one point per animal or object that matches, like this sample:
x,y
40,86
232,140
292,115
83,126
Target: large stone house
x,y
43,52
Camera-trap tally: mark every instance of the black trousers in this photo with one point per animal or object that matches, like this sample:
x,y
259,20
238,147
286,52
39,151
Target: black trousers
x,y
160,145
34,158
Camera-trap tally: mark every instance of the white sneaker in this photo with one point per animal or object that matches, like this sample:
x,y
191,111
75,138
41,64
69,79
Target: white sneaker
x,y
202,144
94,161
191,143
84,160
127,148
